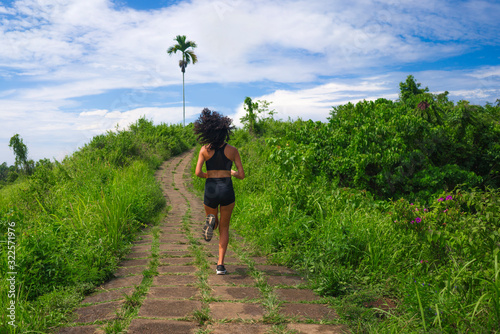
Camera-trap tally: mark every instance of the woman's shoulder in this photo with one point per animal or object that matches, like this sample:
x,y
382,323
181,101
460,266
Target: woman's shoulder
x,y
231,151
231,148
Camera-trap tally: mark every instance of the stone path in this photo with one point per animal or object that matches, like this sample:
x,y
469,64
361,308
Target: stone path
x,y
167,284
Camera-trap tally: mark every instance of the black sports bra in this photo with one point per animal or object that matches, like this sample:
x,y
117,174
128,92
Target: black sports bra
x,y
219,161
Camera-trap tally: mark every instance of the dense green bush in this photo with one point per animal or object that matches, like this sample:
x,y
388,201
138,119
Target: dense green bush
x,y
415,147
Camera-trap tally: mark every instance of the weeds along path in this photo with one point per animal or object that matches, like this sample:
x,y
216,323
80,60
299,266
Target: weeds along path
x,y
167,284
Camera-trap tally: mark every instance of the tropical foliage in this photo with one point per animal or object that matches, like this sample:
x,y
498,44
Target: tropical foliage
x,y
390,202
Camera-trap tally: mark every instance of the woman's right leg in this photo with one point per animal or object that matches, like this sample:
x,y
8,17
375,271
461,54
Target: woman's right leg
x,y
225,217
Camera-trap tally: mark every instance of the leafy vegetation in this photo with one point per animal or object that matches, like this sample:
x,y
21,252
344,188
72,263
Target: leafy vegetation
x,y
390,203
74,219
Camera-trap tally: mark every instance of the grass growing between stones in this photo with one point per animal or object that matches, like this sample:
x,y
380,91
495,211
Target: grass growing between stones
x,y
201,316
132,304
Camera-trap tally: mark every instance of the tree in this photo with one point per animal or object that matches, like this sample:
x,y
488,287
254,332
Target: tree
x,y
410,88
250,119
20,151
188,56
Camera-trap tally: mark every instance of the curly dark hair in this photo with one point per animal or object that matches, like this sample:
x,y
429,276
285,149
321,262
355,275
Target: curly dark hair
x,y
212,128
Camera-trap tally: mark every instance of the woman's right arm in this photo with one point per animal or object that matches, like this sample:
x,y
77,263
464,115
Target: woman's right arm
x,y
199,172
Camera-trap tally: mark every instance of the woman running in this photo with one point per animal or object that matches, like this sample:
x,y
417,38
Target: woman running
x,y
213,131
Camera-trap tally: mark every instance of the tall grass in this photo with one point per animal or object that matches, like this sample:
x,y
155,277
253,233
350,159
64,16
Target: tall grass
x,y
440,270
76,218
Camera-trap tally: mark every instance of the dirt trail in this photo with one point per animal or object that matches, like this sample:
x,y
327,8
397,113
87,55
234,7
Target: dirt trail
x,y
167,284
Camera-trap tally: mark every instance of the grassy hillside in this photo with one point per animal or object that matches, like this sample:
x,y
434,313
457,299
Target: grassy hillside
x,y
71,221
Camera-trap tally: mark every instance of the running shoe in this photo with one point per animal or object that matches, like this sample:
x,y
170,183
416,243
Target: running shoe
x,y
208,229
221,270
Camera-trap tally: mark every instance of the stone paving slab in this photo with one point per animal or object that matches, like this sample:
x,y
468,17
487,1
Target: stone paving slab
x,y
127,271
243,311
147,326
137,255
237,270
78,330
174,253
318,329
108,295
175,292
140,248
296,295
173,247
211,246
122,282
215,253
173,228
230,280
308,311
105,311
132,263
236,293
286,280
275,270
176,260
174,280
176,269
144,242
168,308
232,328
176,237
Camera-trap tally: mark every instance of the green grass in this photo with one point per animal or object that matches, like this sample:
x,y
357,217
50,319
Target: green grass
x,y
76,218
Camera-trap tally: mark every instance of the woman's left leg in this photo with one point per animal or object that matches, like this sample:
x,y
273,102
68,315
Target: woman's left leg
x,y
225,217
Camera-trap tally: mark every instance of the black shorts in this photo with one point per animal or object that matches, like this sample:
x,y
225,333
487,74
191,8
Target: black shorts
x,y
218,191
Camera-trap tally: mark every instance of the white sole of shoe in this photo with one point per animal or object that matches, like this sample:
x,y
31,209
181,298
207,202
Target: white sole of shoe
x,y
208,229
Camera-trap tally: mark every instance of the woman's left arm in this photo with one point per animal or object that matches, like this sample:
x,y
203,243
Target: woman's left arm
x,y
240,173
199,172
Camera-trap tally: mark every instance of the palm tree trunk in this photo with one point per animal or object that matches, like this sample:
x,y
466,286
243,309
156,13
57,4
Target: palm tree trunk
x,y
183,103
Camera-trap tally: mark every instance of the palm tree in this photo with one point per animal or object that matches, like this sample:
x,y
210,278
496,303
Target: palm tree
x,y
188,56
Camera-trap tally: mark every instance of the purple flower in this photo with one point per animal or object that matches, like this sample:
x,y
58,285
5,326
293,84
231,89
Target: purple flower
x,y
425,210
449,197
440,199
412,222
418,219
411,203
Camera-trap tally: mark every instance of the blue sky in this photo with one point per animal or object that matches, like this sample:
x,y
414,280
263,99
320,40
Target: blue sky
x,y
72,69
